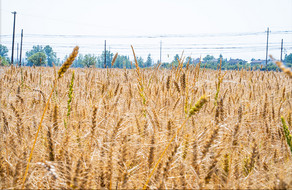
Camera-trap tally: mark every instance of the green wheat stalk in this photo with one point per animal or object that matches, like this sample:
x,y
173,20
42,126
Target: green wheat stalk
x,y
287,133
70,96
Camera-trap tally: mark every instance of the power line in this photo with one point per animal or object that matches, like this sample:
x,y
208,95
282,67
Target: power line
x,y
153,36
93,43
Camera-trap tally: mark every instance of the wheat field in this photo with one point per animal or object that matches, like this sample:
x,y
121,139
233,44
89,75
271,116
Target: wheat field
x,y
109,128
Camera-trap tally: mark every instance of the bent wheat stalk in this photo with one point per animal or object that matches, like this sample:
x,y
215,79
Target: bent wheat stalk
x,y
61,72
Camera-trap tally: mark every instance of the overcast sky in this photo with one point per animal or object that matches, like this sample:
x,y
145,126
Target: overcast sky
x,y
235,28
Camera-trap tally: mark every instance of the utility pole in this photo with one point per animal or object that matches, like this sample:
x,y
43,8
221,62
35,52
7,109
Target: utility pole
x,y
267,48
13,36
160,50
104,54
20,48
17,53
281,49
109,53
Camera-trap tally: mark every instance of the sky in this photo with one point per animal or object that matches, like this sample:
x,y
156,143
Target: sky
x,y
233,28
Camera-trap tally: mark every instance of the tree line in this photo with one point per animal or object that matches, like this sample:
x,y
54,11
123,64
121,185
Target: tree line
x,y
45,56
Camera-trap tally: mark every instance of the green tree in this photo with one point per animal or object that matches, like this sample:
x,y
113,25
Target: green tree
x,y
272,66
35,49
288,58
140,62
189,60
47,50
149,61
175,60
220,57
208,58
210,62
3,61
3,51
122,62
100,59
89,60
38,59
51,55
78,61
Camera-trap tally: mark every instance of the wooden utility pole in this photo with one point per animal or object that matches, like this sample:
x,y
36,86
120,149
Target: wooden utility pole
x,y
281,49
17,53
20,48
267,48
104,54
13,36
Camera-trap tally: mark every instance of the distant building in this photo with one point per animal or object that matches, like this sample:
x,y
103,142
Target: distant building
x,y
236,61
258,62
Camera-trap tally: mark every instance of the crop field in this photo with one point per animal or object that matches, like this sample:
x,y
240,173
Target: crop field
x,y
179,128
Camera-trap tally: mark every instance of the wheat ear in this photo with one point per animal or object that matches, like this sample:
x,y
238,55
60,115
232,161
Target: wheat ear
x,y
114,59
68,62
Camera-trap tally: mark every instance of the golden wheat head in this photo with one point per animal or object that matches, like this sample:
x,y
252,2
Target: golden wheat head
x,y
282,67
114,59
68,62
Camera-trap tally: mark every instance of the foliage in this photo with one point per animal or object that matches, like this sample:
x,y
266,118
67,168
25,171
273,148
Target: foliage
x,y
140,62
288,60
208,58
175,60
100,60
149,61
3,61
38,59
210,62
3,51
35,49
51,56
122,61
89,60
78,61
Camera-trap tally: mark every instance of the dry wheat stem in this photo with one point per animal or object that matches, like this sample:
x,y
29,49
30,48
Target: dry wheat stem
x,y
36,136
